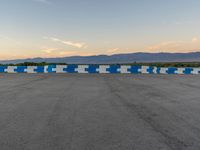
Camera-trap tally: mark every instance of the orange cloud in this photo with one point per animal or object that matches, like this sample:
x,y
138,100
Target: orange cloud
x,y
52,52
113,50
69,43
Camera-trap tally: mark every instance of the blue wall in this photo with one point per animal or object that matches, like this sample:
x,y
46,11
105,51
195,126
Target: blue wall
x,y
112,69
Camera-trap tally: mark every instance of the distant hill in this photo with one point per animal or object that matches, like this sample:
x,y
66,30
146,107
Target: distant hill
x,y
117,58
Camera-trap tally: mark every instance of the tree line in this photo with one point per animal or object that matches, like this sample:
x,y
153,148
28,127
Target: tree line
x,y
157,64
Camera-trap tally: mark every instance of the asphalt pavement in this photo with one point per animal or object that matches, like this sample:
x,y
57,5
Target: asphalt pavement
x,y
99,112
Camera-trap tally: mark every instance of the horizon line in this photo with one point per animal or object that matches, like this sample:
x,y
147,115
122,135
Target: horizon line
x,y
102,55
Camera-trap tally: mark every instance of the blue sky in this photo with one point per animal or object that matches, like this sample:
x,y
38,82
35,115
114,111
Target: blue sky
x,y
57,28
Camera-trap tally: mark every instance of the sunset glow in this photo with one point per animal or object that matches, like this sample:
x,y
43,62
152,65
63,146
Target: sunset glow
x,y
58,28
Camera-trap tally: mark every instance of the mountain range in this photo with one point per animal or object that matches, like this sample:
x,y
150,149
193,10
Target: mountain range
x,y
117,58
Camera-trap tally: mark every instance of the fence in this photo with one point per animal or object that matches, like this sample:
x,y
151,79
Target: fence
x,y
112,69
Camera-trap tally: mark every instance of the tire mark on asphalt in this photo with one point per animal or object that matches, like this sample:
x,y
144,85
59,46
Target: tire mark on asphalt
x,y
177,79
15,91
172,141
56,125
21,86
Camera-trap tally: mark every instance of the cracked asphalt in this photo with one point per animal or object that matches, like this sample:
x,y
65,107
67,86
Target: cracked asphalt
x,y
99,112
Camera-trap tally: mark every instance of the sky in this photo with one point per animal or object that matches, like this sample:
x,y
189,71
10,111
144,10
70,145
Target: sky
x,y
59,28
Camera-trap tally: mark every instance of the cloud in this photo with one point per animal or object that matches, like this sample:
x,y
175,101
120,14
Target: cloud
x,y
49,50
56,52
113,50
194,40
174,46
68,42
